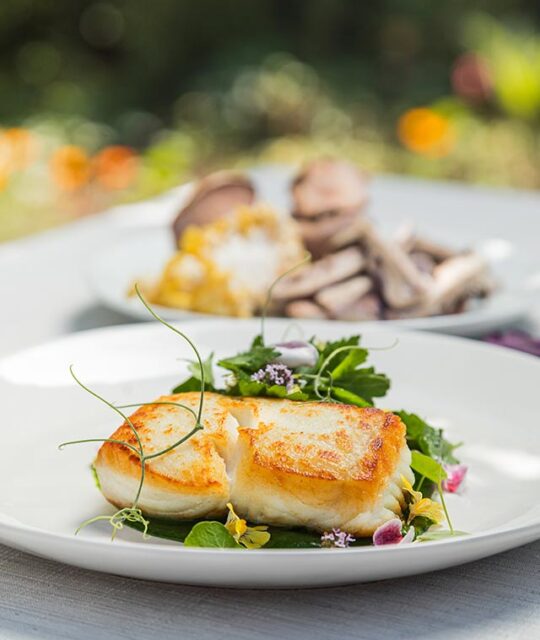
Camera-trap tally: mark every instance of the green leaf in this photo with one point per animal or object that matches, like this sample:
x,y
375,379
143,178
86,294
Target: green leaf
x,y
95,476
194,382
250,361
191,384
427,439
366,383
353,359
252,388
210,534
348,397
329,347
426,466
440,535
207,365
257,341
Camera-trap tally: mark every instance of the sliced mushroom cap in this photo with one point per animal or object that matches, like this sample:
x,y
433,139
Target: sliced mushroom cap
x,y
215,196
331,269
454,280
368,307
319,234
328,185
338,297
402,283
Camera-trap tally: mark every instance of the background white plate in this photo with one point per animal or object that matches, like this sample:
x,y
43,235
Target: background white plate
x,y
141,254
481,394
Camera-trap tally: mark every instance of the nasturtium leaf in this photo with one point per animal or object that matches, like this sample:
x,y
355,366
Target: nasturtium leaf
x,y
211,534
426,466
440,535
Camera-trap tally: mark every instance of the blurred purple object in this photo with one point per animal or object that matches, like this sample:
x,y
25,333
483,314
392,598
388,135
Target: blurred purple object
x,y
516,340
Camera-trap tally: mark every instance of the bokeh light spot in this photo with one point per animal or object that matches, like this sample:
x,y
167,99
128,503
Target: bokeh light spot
x,y
427,132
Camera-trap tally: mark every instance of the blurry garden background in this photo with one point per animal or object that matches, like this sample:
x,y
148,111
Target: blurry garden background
x,y
112,101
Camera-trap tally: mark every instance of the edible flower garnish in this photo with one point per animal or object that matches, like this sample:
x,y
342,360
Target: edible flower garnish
x,y
420,506
455,475
249,537
296,353
275,374
336,539
391,532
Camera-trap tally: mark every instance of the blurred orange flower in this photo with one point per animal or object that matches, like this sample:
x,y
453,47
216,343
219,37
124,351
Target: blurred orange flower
x,y
427,132
17,149
116,167
70,167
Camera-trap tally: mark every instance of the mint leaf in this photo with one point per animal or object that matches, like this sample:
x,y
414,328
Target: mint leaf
x,y
210,534
427,467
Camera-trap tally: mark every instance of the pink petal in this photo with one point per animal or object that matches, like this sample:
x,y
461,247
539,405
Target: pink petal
x,y
388,533
456,474
409,536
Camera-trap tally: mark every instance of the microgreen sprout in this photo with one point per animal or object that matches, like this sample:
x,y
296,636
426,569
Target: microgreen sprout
x,y
134,514
306,259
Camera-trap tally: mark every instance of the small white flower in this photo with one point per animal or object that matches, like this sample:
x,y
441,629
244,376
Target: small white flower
x,y
296,353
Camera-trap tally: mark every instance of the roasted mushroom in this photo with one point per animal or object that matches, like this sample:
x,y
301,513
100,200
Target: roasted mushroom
x,y
328,195
308,280
216,195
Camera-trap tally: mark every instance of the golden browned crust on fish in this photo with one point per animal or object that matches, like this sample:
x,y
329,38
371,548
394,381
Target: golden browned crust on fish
x,y
311,464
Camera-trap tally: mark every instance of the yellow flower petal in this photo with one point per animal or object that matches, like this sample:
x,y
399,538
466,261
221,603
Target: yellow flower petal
x,y
249,537
426,508
254,538
407,486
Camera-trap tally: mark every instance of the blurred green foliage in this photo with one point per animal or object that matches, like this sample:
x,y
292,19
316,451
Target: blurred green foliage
x,y
194,85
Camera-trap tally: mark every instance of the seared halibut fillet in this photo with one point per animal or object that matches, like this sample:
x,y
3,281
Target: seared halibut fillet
x,y
313,464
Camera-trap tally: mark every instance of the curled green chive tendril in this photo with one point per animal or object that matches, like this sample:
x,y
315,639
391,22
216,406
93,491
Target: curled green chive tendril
x,y
134,513
182,335
306,259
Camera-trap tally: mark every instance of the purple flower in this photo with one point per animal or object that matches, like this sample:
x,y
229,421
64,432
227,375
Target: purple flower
x,y
391,532
275,374
455,475
337,538
515,339
296,353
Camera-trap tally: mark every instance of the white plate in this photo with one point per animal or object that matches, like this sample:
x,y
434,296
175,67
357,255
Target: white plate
x,y
141,255
483,395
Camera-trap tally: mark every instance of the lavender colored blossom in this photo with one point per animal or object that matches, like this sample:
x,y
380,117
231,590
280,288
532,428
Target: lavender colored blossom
x,y
275,374
515,339
337,538
455,474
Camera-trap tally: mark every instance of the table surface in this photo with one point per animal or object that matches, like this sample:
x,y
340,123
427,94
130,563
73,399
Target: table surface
x,y
44,295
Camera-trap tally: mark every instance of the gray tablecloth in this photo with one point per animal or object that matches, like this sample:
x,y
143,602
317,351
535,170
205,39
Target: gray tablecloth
x,y
44,294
